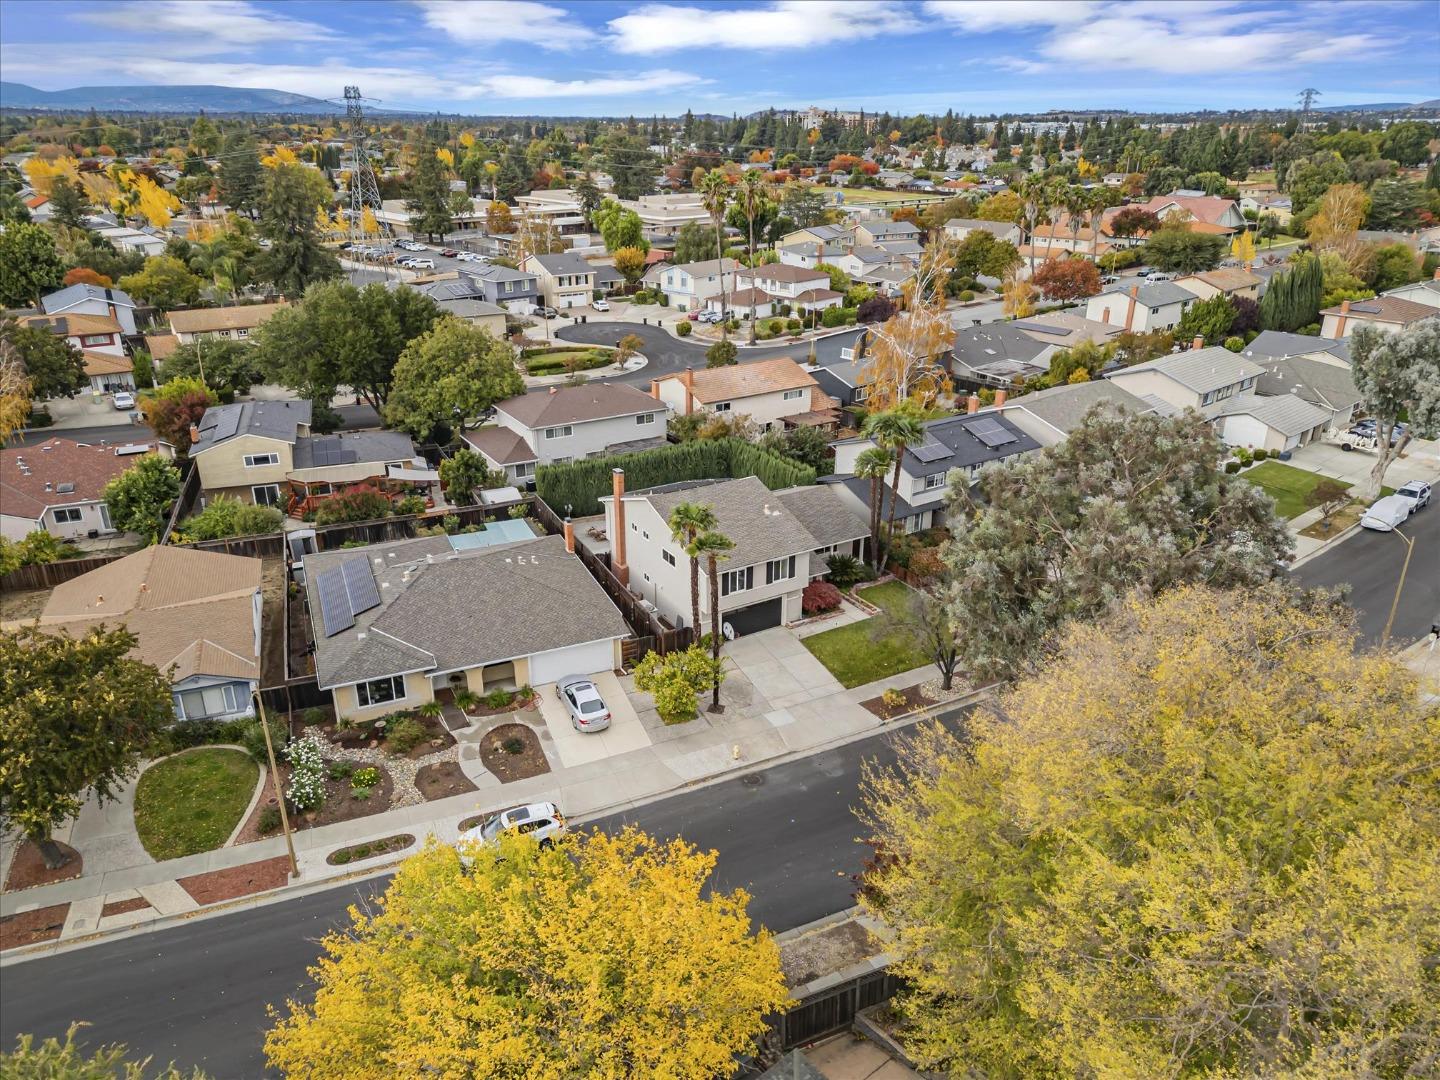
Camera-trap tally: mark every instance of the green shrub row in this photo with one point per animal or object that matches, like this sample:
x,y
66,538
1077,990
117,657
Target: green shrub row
x,y
581,484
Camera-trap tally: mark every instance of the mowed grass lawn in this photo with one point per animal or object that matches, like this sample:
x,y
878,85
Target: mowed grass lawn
x,y
193,801
1286,484
865,651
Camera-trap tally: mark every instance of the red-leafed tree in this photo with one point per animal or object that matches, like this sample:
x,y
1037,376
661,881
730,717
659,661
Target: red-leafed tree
x,y
1067,279
1132,221
83,275
844,163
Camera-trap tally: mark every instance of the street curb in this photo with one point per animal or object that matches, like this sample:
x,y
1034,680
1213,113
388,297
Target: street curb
x,y
1324,547
298,890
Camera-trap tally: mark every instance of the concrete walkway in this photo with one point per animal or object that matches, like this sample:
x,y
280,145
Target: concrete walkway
x,y
778,701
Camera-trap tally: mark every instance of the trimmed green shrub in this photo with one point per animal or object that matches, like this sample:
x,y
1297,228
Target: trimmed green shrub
x,y
966,296
1232,467
411,504
684,329
1261,454
230,517
404,734
581,483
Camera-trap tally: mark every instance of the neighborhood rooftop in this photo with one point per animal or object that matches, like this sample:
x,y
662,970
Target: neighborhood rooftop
x,y
268,419
1203,370
577,404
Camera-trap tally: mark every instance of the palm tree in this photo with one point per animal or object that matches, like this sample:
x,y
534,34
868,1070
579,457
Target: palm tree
x,y
751,197
713,545
688,522
872,465
893,430
715,196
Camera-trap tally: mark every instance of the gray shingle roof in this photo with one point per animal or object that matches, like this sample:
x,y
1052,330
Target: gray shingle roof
x,y
1276,343
990,343
824,516
496,272
756,519
351,447
501,445
1157,295
74,294
999,229
577,404
890,228
1316,381
566,262
1288,414
526,598
269,419
1202,370
1063,407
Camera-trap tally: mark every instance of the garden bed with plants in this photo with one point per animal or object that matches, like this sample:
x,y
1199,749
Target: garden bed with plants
x,y
561,360
893,703
408,734
496,702
347,791
191,802
370,849
513,752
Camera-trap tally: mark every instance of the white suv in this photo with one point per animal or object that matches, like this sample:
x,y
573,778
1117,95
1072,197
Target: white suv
x,y
542,822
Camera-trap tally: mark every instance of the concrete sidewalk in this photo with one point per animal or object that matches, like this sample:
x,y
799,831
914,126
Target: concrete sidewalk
x,y
779,702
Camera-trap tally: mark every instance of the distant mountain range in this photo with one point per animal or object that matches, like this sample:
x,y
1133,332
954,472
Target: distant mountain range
x,y
1379,106
177,99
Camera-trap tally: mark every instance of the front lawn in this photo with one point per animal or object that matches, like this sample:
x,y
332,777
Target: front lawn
x,y
875,648
193,801
554,361
1286,484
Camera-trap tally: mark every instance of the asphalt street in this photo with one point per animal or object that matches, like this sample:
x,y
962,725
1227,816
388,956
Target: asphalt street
x,y
196,993
668,354
1370,563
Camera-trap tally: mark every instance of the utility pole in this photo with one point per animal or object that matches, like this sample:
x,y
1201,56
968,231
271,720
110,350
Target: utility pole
x,y
275,780
364,188
1399,586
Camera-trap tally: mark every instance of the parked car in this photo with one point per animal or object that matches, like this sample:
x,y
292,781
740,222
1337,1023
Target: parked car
x,y
124,399
1387,513
1157,276
546,312
693,316
421,264
601,305
450,253
542,822
582,700
1418,492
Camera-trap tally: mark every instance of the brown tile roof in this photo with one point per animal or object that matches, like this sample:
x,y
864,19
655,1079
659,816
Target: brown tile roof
x,y
744,298
161,346
1385,309
501,445
1227,279
56,462
193,609
783,272
577,404
99,363
814,296
203,320
748,380
1208,209
74,324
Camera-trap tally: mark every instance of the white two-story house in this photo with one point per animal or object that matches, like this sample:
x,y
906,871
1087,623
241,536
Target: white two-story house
x,y
688,285
565,280
770,392
92,300
801,288
566,423
1141,308
782,539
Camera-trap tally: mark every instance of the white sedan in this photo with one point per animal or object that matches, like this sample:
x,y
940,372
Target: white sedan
x,y
601,305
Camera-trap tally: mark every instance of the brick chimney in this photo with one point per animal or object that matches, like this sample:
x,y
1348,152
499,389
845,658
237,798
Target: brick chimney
x,y
1105,315
1198,343
1343,319
617,537
1130,311
972,404
689,380
655,389
1000,397
194,434
569,537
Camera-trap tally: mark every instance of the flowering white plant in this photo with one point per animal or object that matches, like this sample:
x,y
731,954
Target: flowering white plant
x,y
307,775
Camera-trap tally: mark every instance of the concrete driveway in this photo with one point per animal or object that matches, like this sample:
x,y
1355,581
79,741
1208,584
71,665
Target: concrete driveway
x,y
624,734
1421,461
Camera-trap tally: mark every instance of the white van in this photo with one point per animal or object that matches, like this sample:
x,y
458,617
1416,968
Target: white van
x,y
1387,513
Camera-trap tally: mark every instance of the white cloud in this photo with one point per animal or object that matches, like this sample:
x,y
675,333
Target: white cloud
x,y
982,16
786,24
480,22
208,26
534,86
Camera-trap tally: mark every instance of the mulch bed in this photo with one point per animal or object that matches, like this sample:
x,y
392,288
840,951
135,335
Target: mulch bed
x,y
441,780
369,849
435,731
120,907
28,927
914,699
530,761
515,706
29,870
218,885
339,806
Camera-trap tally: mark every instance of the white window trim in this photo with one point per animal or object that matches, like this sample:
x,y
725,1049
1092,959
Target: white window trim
x,y
362,691
667,556
793,395
265,487
563,431
745,574
938,481
720,406
253,461
645,418
67,511
786,571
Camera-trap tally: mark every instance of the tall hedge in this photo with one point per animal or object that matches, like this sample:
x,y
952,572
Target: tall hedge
x,y
581,484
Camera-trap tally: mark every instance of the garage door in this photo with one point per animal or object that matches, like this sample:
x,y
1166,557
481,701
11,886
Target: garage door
x,y
576,660
759,616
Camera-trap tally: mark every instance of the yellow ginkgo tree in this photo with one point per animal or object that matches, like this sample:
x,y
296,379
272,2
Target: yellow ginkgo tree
x,y
1243,248
607,957
43,172
140,196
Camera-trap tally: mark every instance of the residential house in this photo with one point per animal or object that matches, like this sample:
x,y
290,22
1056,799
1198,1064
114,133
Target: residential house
x,y
888,280
195,616
561,424
1384,312
1316,370
458,295
997,355
775,392
1197,212
607,278
1141,308
225,323
1260,205
840,236
145,242
98,340
907,252
566,280
262,452
1276,424
860,260
40,207
805,254
1113,179
872,231
804,290
1231,281
953,446
394,623
688,285
666,215
514,290
1049,416
59,486
1066,329
1419,292
775,554
92,300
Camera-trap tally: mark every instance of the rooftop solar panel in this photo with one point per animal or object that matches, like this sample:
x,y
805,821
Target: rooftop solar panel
x,y
931,452
334,601
991,432
359,585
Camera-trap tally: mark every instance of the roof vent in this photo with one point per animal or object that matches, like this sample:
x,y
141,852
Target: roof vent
x,y
47,485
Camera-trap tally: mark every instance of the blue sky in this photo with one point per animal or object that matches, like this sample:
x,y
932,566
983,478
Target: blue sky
x,y
607,58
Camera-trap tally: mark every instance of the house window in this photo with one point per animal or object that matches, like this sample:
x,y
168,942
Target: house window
x,y
934,480
669,558
66,514
721,406
523,470
242,332
562,432
266,494
561,460
211,701
779,570
645,418
792,395
733,581
95,339
379,691
253,461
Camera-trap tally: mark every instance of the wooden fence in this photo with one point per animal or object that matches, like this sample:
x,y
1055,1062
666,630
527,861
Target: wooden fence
x,y
48,575
185,504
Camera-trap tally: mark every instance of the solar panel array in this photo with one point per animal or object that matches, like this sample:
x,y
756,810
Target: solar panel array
x,y
332,452
931,451
360,584
991,432
227,423
345,591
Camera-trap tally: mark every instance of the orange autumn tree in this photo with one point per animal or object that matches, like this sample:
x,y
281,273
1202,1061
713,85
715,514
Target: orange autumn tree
x,y
903,360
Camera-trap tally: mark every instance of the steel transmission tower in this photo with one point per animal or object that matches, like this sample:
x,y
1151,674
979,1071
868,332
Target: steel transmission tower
x,y
364,189
1307,99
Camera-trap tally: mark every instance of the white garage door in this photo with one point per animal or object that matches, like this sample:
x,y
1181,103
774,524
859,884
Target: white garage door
x,y
576,660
